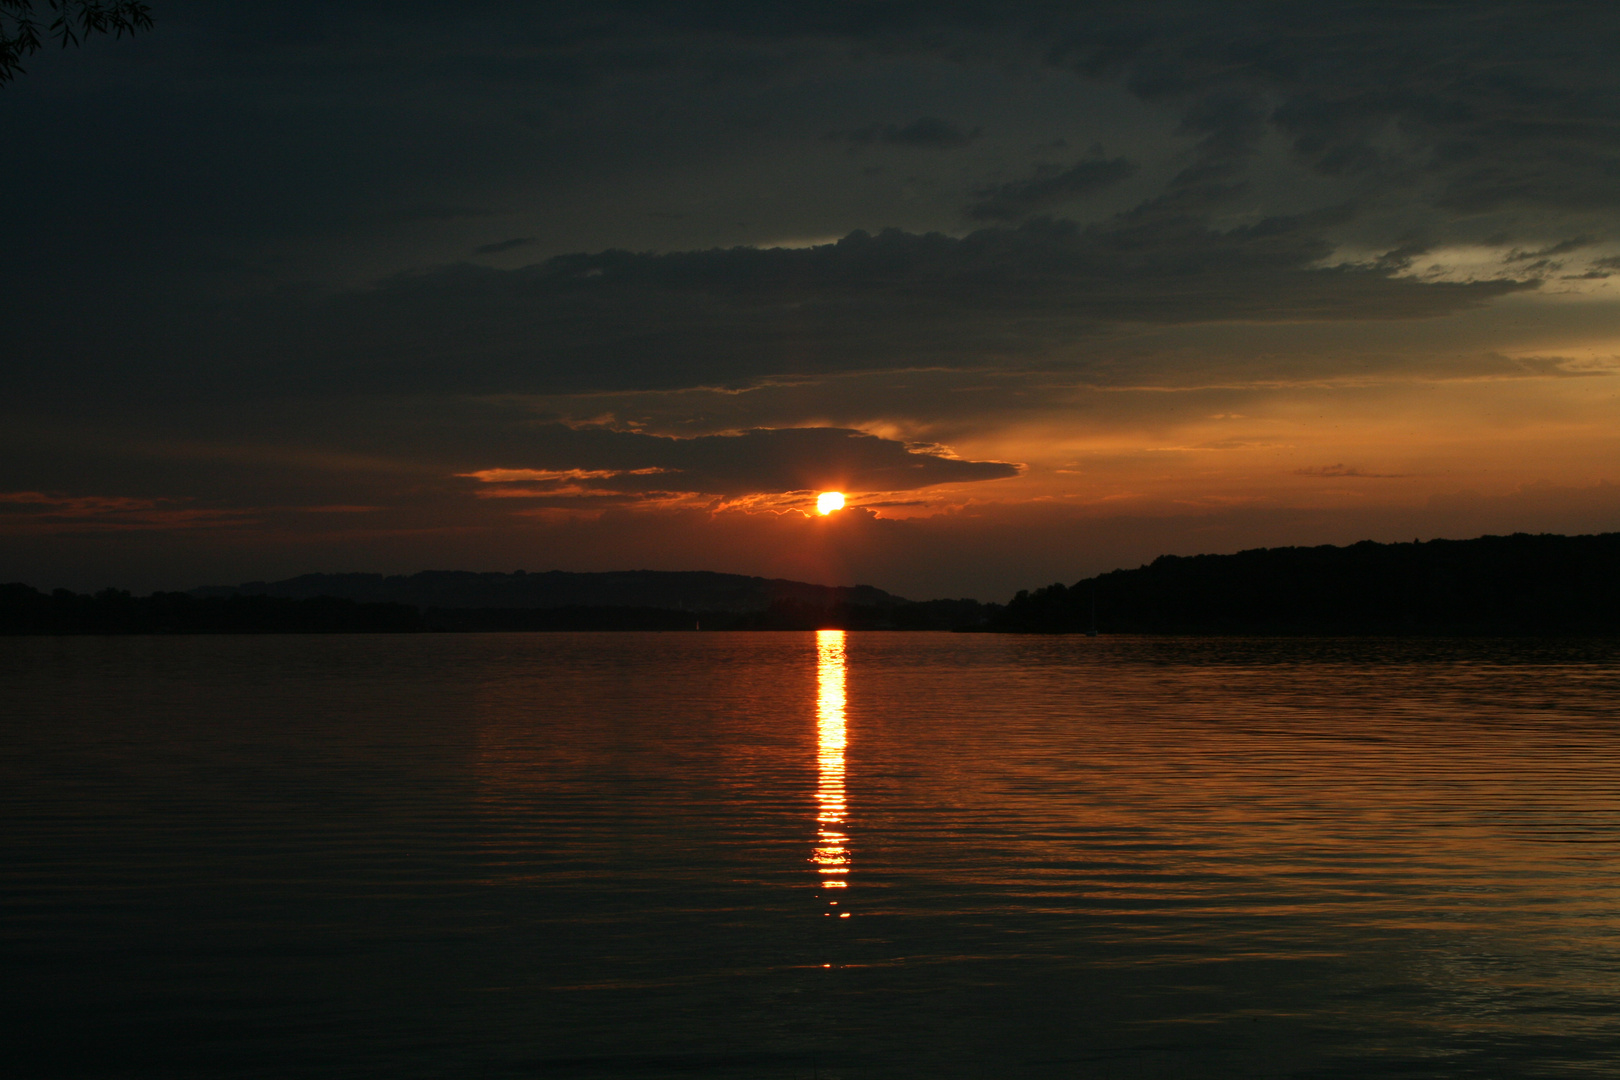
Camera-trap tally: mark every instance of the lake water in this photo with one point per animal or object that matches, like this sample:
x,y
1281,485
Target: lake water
x,y
799,855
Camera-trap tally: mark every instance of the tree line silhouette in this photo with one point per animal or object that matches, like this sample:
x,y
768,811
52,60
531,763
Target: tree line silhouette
x,y
1497,585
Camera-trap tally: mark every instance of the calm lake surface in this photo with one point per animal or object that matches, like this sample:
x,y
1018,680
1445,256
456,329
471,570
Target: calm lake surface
x,y
798,855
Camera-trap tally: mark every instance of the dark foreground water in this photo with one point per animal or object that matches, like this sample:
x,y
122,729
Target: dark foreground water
x,y
778,855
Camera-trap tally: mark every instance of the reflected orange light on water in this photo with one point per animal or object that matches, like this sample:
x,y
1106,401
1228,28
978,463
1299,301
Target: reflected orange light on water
x,y
831,853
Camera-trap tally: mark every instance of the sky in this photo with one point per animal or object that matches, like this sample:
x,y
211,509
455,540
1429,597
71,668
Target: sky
x,y
1046,288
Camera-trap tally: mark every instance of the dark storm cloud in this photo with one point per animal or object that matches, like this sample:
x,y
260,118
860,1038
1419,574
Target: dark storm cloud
x,y
622,320
1491,105
1502,105
1049,187
619,320
781,460
1507,98
928,132
1509,103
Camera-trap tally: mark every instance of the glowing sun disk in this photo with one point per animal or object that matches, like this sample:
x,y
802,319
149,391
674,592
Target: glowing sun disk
x,y
828,501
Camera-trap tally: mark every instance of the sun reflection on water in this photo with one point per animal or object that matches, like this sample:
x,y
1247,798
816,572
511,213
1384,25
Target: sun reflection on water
x,y
831,853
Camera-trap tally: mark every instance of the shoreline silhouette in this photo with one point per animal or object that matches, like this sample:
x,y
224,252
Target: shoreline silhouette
x,y
1518,585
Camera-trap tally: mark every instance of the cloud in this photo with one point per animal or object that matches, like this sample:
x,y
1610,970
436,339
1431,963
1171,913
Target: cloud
x,y
1045,293
1398,102
508,476
1348,471
560,460
1563,247
51,513
1506,106
928,132
76,505
1048,188
1565,367
619,320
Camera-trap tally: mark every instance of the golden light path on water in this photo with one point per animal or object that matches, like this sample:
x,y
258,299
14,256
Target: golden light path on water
x,y
831,853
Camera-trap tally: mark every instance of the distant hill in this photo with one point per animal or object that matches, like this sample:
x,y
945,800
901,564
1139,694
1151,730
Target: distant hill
x,y
26,610
787,605
1512,585
695,591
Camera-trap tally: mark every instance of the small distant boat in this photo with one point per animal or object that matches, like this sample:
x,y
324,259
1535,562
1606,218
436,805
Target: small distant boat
x,y
1091,631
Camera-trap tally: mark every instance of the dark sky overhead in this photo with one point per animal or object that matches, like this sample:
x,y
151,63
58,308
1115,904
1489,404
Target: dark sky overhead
x,y
1046,288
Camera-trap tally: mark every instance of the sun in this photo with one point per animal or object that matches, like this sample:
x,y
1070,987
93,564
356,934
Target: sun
x,y
828,501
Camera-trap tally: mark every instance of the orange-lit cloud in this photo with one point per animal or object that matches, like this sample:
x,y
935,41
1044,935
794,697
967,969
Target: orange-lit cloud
x,y
757,464
34,512
508,476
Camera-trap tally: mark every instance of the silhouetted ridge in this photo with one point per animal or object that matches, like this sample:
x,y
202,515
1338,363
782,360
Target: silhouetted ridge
x,y
26,610
1519,584
670,590
788,605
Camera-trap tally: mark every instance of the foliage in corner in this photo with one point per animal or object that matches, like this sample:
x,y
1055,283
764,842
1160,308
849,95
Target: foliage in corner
x,y
23,28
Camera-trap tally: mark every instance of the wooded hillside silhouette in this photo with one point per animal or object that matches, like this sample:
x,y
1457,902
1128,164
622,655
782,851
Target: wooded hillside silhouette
x,y
1519,584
